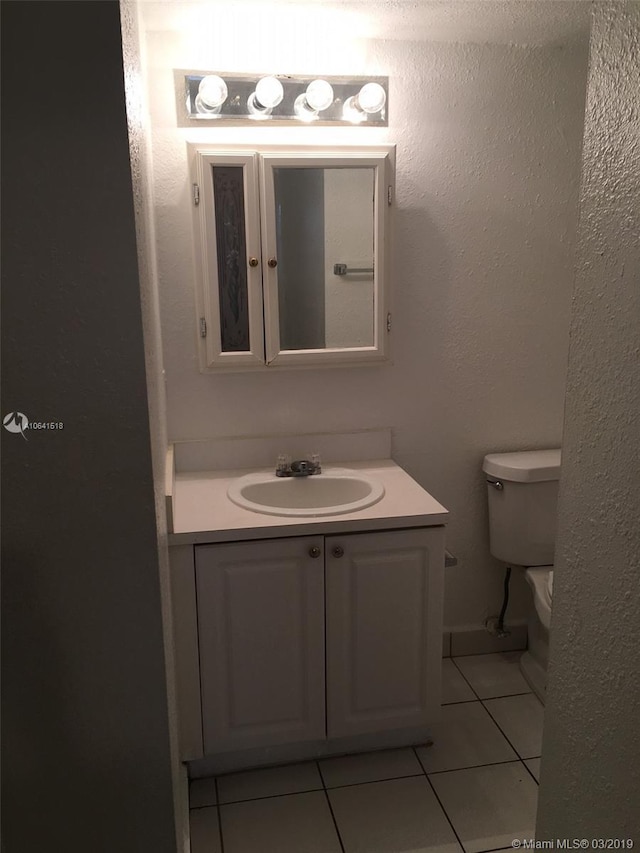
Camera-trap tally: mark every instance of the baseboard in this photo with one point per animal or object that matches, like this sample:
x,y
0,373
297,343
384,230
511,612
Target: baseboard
x,y
478,641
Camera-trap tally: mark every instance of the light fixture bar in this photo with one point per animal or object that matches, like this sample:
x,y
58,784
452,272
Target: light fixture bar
x,y
313,99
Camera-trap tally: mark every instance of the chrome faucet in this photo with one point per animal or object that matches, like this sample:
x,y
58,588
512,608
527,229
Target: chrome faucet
x,y
298,468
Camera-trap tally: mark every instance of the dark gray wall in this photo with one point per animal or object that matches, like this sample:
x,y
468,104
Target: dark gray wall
x,y
300,216
85,734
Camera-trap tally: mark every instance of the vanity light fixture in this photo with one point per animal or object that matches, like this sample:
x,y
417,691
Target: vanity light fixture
x,y
241,98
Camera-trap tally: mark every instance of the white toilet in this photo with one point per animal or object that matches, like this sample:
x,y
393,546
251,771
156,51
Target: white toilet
x,y
523,498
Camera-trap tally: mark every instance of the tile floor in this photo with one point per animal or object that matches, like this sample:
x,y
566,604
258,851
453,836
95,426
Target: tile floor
x,y
475,789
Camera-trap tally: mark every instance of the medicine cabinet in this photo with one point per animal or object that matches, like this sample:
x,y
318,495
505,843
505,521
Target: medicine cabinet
x,y
292,250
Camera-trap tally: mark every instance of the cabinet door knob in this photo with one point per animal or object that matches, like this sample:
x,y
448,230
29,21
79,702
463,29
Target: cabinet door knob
x,y
272,262
337,551
253,262
314,552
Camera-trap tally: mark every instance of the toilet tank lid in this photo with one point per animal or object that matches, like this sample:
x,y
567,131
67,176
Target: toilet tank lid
x,y
527,466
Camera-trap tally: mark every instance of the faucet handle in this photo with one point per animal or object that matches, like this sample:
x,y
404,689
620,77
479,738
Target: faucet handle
x,y
315,461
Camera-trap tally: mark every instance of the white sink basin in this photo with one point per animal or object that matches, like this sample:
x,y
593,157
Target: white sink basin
x,y
334,492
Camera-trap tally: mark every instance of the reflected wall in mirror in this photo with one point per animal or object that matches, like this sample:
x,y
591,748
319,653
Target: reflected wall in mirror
x,y
324,218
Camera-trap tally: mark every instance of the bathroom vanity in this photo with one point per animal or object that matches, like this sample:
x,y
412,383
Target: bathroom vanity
x,y
299,636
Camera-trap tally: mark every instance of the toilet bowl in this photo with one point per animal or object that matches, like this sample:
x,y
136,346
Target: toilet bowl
x,y
533,662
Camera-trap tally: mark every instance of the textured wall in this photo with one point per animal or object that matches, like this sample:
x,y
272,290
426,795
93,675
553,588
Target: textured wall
x,y
85,732
488,155
591,751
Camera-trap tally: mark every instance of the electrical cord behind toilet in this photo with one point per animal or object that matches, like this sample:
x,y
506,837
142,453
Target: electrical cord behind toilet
x,y
495,624
505,601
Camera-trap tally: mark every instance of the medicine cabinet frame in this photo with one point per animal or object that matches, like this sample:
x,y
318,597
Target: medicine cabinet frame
x,y
258,163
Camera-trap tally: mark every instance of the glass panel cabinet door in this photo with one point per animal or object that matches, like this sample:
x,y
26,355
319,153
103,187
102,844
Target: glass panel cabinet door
x,y
228,230
324,219
231,248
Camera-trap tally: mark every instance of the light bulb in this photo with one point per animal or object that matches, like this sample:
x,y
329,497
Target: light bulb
x,y
213,91
319,95
371,98
269,92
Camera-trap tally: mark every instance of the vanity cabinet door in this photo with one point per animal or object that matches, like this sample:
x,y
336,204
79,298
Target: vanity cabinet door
x,y
261,637
325,237
384,630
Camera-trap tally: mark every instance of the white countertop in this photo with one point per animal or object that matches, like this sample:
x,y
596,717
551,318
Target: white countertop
x,y
202,512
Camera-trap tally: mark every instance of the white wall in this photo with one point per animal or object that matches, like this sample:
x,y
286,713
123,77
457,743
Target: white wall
x,y
488,155
591,751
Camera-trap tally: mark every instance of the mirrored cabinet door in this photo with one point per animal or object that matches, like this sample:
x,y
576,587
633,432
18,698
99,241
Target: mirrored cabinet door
x,y
323,237
228,232
292,253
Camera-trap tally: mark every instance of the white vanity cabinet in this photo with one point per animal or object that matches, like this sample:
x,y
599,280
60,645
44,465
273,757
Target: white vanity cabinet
x,y
268,610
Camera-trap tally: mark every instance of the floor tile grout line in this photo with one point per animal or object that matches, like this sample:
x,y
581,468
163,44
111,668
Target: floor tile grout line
x,y
487,698
495,722
505,696
516,760
465,677
220,833
376,781
495,849
335,822
524,761
484,654
444,811
269,797
508,695
460,702
415,752
422,772
324,784
503,733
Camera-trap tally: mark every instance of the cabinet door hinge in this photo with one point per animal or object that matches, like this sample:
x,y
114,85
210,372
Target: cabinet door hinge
x,y
203,327
196,194
389,322
389,194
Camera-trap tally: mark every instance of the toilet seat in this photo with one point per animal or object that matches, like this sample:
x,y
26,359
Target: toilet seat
x,y
540,579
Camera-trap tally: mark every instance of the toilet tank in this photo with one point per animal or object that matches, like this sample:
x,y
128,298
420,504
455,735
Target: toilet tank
x,y
523,499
